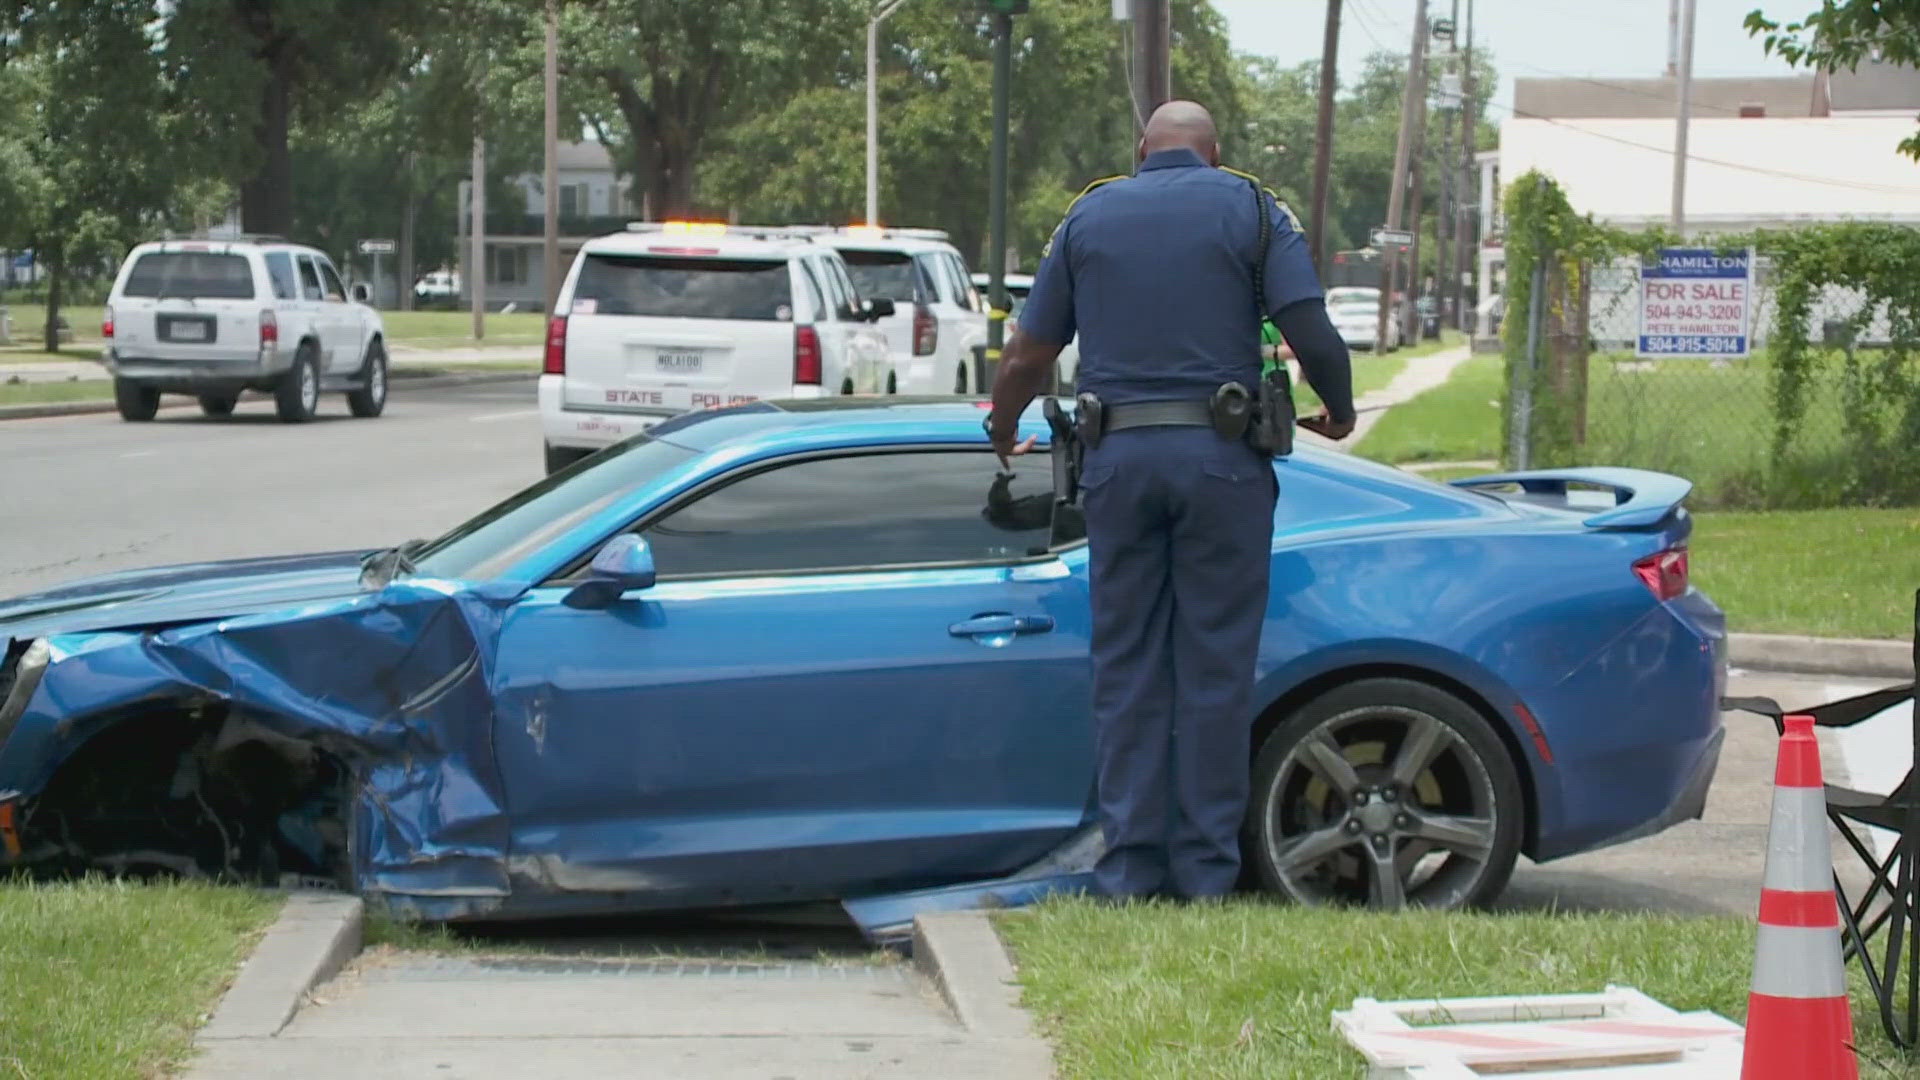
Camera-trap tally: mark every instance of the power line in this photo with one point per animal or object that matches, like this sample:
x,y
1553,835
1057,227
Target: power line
x,y
1878,189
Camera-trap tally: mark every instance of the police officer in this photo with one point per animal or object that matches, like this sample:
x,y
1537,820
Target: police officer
x,y
1156,274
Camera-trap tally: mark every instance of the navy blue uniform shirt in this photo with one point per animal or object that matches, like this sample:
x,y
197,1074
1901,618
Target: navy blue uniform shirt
x,y
1155,274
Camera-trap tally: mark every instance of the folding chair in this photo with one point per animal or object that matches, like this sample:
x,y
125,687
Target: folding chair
x,y
1895,879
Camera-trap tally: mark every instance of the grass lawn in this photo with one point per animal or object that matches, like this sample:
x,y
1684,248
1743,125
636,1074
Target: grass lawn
x,y
109,979
38,356
454,329
1248,989
1829,573
42,393
1458,420
29,322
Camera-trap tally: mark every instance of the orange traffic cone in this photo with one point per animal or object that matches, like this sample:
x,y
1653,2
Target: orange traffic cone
x,y
1798,1023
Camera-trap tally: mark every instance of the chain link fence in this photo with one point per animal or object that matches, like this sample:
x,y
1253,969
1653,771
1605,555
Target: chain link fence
x,y
1718,422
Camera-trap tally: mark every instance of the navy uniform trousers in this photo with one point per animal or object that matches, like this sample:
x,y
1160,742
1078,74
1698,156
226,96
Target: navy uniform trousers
x,y
1179,529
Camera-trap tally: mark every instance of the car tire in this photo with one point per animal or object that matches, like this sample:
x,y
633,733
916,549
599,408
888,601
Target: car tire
x,y
1377,773
135,400
960,380
218,405
893,383
298,396
559,457
371,399
846,386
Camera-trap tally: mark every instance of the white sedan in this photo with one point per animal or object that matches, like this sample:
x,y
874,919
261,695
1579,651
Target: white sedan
x,y
1355,311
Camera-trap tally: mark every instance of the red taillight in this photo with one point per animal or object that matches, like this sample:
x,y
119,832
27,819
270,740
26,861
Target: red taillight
x,y
806,356
556,363
106,324
269,328
926,330
1664,574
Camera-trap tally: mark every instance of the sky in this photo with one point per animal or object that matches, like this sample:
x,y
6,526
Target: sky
x,y
1595,38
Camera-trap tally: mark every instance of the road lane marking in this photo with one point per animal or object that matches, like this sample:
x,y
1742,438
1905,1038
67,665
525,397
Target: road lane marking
x,y
488,418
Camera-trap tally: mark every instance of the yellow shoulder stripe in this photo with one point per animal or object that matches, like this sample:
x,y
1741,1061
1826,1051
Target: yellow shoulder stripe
x,y
1103,180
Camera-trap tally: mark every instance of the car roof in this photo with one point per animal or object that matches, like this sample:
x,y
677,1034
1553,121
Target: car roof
x,y
744,240
223,245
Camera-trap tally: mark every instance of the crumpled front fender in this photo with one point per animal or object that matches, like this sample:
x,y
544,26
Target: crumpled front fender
x,y
393,683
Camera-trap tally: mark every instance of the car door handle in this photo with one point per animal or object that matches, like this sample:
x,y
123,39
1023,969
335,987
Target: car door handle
x,y
1001,625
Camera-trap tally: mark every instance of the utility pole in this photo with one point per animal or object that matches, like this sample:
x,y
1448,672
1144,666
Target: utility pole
x,y
1152,57
405,261
1468,238
1323,135
1417,159
880,12
552,183
1682,119
1003,12
1396,197
477,268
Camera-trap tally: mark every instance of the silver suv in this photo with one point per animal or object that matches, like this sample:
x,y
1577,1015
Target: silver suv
x,y
214,318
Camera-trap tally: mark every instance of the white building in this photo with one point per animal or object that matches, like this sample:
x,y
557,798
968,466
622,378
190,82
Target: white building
x,y
594,200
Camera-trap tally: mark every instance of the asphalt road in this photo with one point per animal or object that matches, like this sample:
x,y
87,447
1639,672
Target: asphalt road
x,y
90,494
83,495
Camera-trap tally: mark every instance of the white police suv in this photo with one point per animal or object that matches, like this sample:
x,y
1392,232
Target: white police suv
x,y
671,316
938,320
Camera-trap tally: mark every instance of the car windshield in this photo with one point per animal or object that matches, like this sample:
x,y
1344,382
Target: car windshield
x,y
488,545
693,288
888,274
190,275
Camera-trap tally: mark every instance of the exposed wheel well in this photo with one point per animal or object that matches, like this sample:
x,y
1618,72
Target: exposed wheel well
x,y
193,789
1278,710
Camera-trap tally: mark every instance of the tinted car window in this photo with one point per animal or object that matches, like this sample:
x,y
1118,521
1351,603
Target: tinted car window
x,y
885,273
280,273
309,280
856,512
694,288
197,274
488,545
335,290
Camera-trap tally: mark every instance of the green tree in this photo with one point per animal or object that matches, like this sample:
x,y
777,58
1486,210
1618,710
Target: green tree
x,y
1844,32
666,76
99,105
253,68
1072,122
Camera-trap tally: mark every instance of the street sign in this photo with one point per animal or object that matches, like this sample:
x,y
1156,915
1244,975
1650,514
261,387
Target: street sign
x,y
377,247
1696,302
1385,237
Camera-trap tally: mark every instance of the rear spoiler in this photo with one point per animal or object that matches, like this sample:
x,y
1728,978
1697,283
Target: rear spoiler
x,y
1641,499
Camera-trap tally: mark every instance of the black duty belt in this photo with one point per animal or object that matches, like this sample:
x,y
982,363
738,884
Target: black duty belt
x,y
1157,414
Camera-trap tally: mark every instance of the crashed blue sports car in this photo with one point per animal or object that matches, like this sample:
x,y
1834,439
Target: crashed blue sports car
x,y
783,654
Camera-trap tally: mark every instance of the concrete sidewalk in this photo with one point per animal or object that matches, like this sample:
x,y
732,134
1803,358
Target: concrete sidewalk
x,y
1421,374
400,356
556,1015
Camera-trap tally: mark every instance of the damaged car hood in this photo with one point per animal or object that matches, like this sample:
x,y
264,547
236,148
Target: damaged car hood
x,y
181,594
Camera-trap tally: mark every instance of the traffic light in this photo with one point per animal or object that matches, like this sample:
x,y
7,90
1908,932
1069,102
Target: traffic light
x,y
1006,7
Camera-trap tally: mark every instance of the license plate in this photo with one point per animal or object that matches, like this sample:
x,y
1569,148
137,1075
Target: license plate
x,y
677,361
188,331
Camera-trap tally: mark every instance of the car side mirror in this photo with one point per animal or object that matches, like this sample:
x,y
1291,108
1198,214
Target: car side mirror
x,y
879,308
623,564
360,293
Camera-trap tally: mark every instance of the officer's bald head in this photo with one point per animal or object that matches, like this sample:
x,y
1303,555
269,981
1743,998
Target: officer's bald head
x,y
1182,125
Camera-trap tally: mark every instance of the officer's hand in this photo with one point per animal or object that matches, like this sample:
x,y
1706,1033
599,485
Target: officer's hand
x,y
1325,425
1008,451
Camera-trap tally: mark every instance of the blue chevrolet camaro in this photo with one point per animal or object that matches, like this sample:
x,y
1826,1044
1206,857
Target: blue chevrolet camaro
x,y
801,652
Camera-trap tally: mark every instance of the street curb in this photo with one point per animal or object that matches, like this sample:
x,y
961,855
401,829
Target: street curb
x,y
398,382
1821,656
314,937
963,955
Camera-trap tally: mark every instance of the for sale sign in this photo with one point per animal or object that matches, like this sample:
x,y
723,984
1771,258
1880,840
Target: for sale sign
x,y
1696,302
